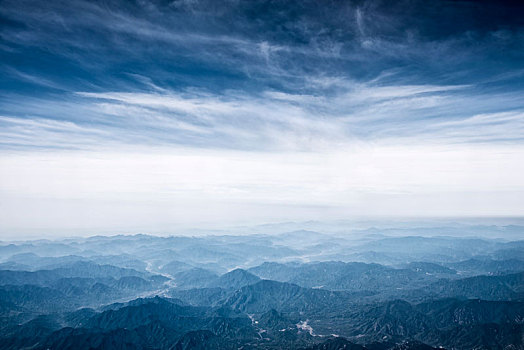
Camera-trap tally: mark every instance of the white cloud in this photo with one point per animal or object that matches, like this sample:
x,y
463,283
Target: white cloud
x,y
269,120
202,185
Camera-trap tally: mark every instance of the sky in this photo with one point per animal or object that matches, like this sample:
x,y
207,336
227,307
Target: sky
x,y
146,116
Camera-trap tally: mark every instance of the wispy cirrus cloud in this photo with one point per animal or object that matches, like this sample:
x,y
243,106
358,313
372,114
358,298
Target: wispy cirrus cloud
x,y
273,120
168,41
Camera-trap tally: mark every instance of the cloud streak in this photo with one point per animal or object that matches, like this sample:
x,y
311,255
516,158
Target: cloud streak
x,y
270,120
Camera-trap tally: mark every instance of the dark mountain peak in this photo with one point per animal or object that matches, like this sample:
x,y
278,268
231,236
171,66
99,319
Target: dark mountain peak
x,y
237,272
235,279
154,300
141,312
282,296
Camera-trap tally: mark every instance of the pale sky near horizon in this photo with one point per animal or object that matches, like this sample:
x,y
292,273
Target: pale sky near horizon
x,y
148,116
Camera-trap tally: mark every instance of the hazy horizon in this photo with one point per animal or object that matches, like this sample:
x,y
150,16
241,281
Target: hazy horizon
x,y
501,228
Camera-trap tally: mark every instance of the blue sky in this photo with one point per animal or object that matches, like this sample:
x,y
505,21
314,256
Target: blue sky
x,y
138,115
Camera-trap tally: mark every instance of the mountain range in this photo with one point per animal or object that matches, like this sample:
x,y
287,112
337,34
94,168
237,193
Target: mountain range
x,y
262,292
